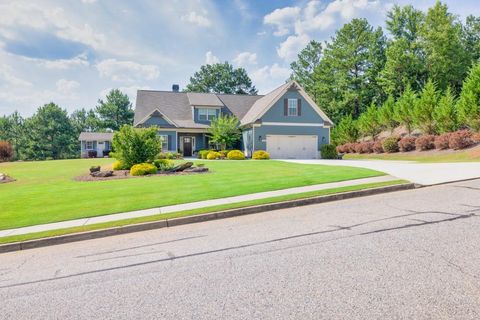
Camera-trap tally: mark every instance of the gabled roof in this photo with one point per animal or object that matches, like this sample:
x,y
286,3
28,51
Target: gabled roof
x,y
95,136
204,99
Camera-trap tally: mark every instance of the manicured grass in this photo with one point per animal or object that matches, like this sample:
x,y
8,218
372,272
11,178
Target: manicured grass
x,y
46,192
470,155
125,222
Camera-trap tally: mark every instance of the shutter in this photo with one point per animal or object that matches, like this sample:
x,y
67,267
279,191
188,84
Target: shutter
x,y
169,141
285,107
299,107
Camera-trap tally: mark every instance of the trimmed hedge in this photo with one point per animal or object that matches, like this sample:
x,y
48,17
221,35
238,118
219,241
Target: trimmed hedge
x,y
425,142
236,155
142,169
378,146
328,151
407,144
460,140
213,155
442,141
261,155
390,145
6,151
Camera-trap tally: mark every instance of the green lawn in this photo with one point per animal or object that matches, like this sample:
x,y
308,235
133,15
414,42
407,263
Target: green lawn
x,y
46,192
470,155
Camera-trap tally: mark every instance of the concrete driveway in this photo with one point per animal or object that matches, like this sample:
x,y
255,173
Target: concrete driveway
x,y
422,173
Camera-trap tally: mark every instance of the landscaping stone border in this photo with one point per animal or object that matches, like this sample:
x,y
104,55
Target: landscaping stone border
x,y
30,244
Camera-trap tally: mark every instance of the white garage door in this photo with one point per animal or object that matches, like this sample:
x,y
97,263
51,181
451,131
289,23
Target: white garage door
x,y
292,146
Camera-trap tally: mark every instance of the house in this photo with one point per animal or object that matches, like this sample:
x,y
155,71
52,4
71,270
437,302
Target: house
x,y
285,122
95,144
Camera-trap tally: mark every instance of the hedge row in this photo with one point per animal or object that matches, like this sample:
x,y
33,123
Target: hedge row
x,y
454,140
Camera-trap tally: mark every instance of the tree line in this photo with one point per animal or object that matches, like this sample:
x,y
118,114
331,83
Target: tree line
x,y
52,133
412,77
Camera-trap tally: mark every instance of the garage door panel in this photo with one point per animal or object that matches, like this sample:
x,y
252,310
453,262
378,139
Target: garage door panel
x,y
292,146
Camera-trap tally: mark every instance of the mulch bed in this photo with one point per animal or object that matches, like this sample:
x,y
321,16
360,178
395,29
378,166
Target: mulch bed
x,y
125,174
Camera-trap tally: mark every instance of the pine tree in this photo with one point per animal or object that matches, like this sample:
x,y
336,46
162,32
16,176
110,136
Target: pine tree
x,y
469,102
425,108
386,114
303,68
345,131
369,123
445,114
404,108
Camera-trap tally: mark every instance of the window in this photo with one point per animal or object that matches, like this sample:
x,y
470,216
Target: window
x,y
292,108
107,145
207,114
164,138
89,145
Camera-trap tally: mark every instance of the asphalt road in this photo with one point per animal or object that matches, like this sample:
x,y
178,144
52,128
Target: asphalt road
x,y
406,255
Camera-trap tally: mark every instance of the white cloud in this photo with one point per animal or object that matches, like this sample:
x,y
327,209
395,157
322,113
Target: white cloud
x,y
131,92
126,71
67,87
283,19
210,58
268,78
196,18
245,58
89,1
289,49
7,77
63,64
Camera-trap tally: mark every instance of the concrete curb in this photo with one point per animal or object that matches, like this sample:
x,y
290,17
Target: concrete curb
x,y
30,244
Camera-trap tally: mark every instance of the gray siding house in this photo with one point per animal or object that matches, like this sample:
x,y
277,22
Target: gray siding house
x,y
285,122
95,144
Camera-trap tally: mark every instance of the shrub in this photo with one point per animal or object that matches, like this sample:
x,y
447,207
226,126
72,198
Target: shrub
x,y
378,146
425,142
341,149
169,155
202,154
476,137
119,165
407,144
213,155
6,151
328,151
261,155
460,140
390,145
350,147
92,153
441,142
224,153
163,164
143,169
236,155
136,145
364,147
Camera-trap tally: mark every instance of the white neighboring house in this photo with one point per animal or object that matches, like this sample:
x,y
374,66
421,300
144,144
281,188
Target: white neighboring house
x,y
95,144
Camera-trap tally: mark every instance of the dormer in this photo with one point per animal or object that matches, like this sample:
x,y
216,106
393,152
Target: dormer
x,y
205,107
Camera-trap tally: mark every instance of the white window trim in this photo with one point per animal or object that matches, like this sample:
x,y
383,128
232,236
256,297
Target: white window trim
x,y
164,138
210,114
86,145
292,104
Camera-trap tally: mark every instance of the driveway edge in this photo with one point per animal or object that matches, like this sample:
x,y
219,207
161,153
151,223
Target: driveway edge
x,y
44,242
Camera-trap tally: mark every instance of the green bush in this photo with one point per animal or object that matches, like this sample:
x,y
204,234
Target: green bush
x,y
163,164
213,155
390,145
136,145
169,155
224,153
261,155
236,155
119,165
328,151
202,154
142,169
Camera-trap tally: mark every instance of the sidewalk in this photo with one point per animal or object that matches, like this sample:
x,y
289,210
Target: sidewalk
x,y
188,206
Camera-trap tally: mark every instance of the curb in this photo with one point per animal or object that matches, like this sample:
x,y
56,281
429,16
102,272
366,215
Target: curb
x,y
88,235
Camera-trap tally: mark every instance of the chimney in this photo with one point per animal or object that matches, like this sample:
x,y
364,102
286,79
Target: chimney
x,y
175,88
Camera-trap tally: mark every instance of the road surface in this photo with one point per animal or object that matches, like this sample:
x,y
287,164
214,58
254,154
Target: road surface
x,y
406,255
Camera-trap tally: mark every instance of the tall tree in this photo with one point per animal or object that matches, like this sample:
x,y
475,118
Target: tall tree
x,y
446,60
115,111
83,120
50,134
469,102
221,78
425,108
386,114
471,37
445,114
347,74
369,123
303,68
12,130
404,108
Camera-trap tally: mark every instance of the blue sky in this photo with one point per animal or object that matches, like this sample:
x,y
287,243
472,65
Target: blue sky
x,y
73,52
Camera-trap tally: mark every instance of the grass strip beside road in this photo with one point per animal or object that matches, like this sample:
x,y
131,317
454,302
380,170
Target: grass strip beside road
x,y
119,223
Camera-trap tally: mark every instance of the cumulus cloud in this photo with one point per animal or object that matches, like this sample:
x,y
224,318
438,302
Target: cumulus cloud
x,y
67,87
283,19
268,78
126,71
7,77
196,18
64,64
289,49
130,91
210,58
245,58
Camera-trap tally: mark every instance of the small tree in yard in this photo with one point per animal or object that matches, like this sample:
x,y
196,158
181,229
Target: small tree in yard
x,y
425,108
225,131
368,123
346,131
6,151
136,145
386,114
445,114
404,108
469,102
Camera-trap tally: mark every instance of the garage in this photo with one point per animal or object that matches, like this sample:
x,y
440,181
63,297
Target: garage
x,y
292,146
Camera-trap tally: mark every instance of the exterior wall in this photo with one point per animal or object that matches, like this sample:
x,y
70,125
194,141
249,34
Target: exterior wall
x,y
262,132
276,112
172,141
200,140
157,121
99,146
195,115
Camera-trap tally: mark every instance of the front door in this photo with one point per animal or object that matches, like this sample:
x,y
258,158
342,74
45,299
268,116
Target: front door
x,y
187,146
